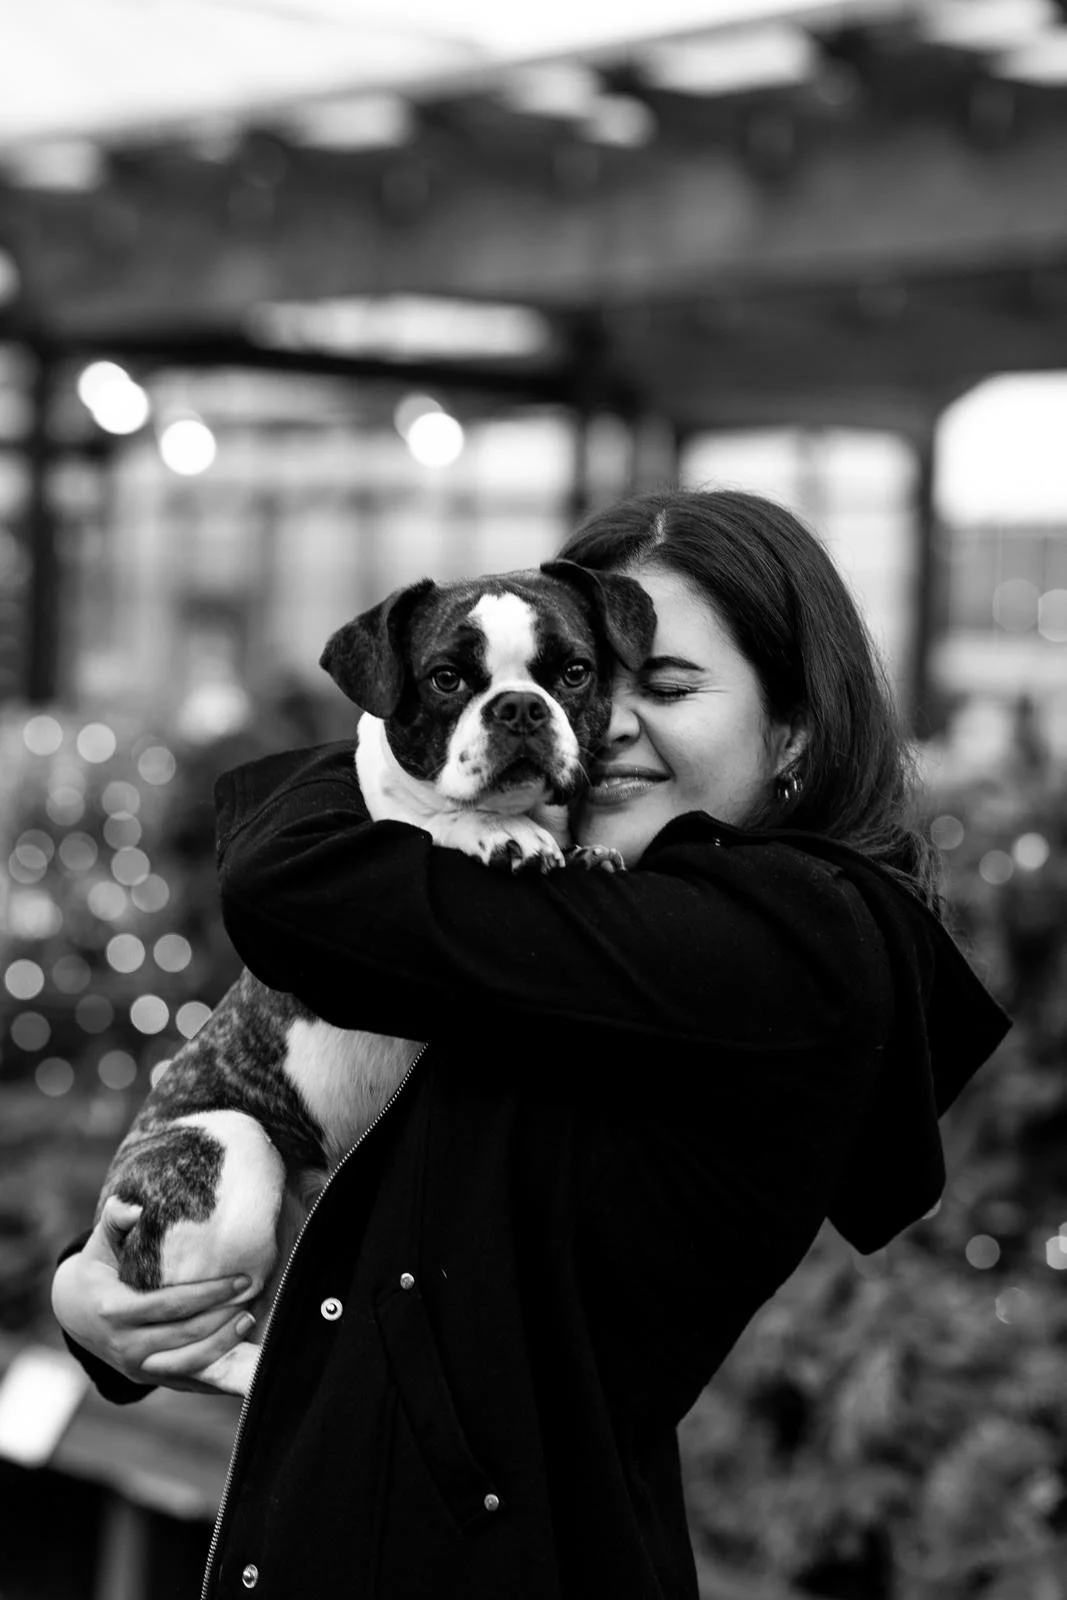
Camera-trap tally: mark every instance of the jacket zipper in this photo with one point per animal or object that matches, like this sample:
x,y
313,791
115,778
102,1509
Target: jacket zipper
x,y
217,1532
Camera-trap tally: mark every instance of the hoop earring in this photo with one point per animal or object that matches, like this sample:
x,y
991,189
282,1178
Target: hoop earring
x,y
788,786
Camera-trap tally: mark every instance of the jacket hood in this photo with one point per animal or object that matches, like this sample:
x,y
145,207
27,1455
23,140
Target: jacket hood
x,y
946,1024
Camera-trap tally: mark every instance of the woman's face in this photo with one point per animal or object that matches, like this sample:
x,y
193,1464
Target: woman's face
x,y
688,731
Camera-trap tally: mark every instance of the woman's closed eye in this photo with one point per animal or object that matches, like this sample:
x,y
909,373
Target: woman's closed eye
x,y
664,692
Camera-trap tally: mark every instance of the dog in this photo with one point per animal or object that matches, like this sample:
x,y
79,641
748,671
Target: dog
x,y
482,702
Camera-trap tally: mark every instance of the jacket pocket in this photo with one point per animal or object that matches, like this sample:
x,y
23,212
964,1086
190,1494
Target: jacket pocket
x,y
430,1410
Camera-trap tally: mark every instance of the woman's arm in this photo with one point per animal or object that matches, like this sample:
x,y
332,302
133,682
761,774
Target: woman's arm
x,y
374,926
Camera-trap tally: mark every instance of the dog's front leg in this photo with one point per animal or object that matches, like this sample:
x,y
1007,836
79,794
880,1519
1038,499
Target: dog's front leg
x,y
496,840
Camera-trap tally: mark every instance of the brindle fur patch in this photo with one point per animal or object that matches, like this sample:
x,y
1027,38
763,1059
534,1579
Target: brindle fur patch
x,y
235,1063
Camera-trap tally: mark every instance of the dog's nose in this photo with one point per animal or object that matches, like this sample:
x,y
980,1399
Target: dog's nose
x,y
517,713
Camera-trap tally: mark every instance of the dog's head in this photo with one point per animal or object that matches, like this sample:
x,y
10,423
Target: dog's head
x,y
495,690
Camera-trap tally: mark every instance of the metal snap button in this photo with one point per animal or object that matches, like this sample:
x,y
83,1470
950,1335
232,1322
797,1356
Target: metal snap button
x,y
492,1502
331,1308
407,1281
250,1576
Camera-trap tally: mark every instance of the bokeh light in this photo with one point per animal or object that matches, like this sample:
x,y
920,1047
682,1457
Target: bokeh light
x,y
116,1069
947,832
54,1076
116,403
1030,851
130,866
158,1070
156,764
1011,1305
33,914
120,798
107,901
94,1013
1015,605
42,736
149,1014
1056,1252
152,894
64,805
996,866
187,446
71,974
78,852
1052,616
172,952
982,1251
410,409
24,979
31,1031
96,742
121,830
125,952
191,1017
435,439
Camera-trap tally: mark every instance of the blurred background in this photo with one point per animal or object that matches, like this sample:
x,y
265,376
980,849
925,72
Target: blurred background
x,y
304,299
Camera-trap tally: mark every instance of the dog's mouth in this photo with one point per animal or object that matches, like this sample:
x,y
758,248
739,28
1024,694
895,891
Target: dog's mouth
x,y
520,773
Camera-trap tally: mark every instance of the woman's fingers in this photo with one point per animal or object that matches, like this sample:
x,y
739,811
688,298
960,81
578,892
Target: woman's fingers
x,y
163,1336
186,1360
182,1300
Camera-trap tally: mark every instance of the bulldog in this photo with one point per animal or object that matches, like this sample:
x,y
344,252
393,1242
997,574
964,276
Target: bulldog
x,y
483,701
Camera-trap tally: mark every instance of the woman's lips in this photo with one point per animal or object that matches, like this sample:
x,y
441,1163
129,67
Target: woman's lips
x,y
614,786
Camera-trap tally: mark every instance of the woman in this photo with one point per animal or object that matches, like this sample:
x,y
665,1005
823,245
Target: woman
x,y
643,1096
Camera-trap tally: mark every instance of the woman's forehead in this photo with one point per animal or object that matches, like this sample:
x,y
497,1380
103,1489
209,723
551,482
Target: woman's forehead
x,y
687,624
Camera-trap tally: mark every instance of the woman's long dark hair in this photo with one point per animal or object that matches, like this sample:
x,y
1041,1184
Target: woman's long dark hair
x,y
792,617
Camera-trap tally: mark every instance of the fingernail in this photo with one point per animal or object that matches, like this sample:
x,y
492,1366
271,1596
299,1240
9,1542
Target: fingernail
x,y
243,1324
240,1285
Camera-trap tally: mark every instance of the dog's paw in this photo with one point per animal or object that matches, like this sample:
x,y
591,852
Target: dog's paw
x,y
519,843
595,858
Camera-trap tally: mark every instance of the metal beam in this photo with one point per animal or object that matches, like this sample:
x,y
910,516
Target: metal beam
x,y
860,202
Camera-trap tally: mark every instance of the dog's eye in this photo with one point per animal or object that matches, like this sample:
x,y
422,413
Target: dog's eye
x,y
446,680
576,674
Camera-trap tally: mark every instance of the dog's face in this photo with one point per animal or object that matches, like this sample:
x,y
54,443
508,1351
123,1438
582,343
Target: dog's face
x,y
496,691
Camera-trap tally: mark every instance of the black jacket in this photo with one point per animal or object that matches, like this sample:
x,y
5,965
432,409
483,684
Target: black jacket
x,y
642,1096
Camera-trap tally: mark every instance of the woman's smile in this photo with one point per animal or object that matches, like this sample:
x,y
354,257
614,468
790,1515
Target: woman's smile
x,y
615,784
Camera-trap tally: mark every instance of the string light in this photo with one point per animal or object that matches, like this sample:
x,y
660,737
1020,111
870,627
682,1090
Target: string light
x,y
149,1014
125,952
94,1013
191,1017
42,736
54,1076
172,952
130,866
96,743
116,1069
156,764
152,894
24,980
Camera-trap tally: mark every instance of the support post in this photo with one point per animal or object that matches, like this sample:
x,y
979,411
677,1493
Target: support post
x,y
40,533
924,713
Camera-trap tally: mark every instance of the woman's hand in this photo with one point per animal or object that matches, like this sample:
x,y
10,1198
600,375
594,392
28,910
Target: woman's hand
x,y
162,1336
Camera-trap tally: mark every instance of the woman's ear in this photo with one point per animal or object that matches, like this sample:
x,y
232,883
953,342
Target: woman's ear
x,y
791,743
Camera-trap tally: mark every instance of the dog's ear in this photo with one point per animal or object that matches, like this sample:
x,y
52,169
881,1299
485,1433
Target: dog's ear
x,y
366,658
621,606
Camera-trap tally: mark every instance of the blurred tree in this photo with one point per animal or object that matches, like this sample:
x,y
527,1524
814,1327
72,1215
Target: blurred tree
x,y
895,1427
112,951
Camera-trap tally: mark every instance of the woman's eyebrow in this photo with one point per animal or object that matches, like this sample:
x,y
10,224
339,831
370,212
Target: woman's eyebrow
x,y
654,663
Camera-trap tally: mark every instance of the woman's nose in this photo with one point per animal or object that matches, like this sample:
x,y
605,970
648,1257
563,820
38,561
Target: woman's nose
x,y
623,727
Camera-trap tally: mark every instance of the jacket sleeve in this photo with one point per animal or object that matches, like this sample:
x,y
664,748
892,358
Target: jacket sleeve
x,y
374,926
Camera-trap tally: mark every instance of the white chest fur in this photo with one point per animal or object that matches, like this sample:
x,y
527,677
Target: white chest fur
x,y
344,1077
